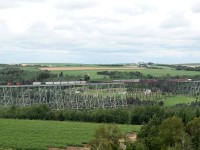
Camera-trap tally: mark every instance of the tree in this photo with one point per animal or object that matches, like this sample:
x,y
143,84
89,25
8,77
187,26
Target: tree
x,y
61,74
86,77
106,138
193,128
172,132
148,134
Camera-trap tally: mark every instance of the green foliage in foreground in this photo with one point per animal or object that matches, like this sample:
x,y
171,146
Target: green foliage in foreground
x,y
106,138
169,134
31,134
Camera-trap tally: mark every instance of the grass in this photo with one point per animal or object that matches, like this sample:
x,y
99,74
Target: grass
x,y
146,71
167,71
177,100
35,134
92,73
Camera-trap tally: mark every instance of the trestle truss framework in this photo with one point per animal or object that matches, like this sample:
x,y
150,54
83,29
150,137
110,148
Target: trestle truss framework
x,y
64,97
88,96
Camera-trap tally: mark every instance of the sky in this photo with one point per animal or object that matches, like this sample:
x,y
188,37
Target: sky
x,y
99,31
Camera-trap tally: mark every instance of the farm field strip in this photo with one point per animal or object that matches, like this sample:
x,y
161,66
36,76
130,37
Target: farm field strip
x,y
171,72
36,134
62,64
89,68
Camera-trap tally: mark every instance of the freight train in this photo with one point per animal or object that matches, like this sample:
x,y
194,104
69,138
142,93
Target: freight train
x,y
114,81
49,83
151,80
60,83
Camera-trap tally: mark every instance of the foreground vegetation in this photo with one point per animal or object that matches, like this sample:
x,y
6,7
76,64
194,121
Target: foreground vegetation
x,y
132,115
169,134
158,134
32,134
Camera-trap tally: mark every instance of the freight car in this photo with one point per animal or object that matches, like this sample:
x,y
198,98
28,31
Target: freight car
x,y
60,83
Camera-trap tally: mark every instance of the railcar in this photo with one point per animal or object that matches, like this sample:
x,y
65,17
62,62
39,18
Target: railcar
x,y
60,83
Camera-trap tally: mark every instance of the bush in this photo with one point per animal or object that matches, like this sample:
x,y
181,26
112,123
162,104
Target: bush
x,y
106,138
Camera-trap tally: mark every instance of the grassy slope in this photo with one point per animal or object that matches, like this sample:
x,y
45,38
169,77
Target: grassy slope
x,y
178,99
32,134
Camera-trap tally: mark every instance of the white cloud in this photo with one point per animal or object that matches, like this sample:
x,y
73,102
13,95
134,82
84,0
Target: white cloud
x,y
74,5
176,20
99,30
196,7
4,4
134,9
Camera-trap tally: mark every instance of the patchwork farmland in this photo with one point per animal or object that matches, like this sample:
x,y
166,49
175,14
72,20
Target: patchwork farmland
x,y
99,100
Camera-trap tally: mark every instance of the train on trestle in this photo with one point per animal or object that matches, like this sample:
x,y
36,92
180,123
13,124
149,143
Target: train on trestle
x,y
114,81
60,83
152,80
49,83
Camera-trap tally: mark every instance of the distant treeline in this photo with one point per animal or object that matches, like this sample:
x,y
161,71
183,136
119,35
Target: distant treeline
x,y
132,115
155,67
35,65
164,65
17,75
125,75
138,75
187,68
182,67
3,65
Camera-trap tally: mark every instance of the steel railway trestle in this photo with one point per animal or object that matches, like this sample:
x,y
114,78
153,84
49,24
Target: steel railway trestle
x,y
82,96
91,95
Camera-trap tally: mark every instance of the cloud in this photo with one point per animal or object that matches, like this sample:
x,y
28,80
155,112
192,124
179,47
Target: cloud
x,y
74,5
3,26
176,20
95,31
4,4
134,9
196,8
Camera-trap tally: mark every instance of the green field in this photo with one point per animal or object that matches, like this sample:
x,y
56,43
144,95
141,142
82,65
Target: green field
x,y
165,71
177,100
146,71
171,72
92,73
32,134
156,72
